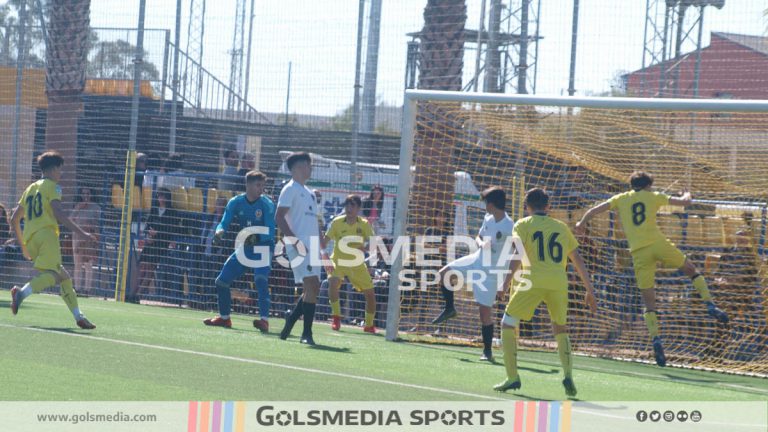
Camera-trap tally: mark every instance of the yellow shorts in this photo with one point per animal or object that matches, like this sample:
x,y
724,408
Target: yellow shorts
x,y
358,276
645,259
45,250
523,304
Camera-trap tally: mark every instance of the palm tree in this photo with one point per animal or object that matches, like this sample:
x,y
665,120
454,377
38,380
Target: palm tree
x,y
442,61
66,61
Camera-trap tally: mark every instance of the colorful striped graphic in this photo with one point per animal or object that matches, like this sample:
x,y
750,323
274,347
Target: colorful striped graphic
x,y
216,416
531,416
519,416
547,417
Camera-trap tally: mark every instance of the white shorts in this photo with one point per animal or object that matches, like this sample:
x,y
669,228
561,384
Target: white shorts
x,y
484,283
304,267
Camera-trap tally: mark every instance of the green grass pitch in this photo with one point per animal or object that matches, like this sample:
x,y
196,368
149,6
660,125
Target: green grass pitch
x,y
151,353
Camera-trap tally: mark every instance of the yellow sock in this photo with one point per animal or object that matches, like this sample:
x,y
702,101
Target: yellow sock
x,y
701,286
69,295
369,318
41,282
564,351
336,308
652,322
509,346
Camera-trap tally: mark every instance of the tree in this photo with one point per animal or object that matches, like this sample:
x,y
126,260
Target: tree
x,y
442,62
66,63
114,60
9,33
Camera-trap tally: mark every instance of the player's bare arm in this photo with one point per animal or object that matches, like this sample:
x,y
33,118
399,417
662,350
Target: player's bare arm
x,y
63,218
684,201
581,269
16,216
591,213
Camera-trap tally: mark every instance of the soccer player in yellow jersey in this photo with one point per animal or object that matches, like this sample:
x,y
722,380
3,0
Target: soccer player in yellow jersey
x,y
548,244
41,209
637,213
355,231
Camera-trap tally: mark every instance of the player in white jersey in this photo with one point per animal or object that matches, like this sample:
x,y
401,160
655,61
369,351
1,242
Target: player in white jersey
x,y
482,269
296,217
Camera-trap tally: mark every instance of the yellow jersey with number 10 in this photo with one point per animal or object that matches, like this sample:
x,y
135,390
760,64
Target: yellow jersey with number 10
x,y
637,213
36,203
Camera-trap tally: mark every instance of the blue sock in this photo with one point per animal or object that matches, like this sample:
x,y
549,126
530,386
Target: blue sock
x,y
225,298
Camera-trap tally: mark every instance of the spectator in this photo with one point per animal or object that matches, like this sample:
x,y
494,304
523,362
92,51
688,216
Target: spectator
x,y
738,272
233,182
86,214
141,167
174,165
5,227
372,207
159,241
247,164
320,209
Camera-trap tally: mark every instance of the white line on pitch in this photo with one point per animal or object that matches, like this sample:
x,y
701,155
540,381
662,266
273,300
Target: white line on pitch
x,y
258,362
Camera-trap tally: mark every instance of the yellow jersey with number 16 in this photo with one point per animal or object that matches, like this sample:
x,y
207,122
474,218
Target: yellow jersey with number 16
x,y
547,242
36,203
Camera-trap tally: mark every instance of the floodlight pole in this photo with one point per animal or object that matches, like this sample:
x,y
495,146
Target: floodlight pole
x,y
20,60
356,99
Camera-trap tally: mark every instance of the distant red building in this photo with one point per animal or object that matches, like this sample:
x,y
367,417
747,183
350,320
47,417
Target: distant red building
x,y
733,66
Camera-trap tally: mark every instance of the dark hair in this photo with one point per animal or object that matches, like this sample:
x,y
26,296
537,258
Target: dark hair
x,y
354,199
496,196
49,159
374,189
640,180
537,199
174,162
228,152
166,194
297,157
253,176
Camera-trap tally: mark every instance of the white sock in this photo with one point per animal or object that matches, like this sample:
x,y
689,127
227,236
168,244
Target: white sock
x,y
77,314
225,317
265,318
25,292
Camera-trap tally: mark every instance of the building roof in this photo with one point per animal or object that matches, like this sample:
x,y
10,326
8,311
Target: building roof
x,y
755,43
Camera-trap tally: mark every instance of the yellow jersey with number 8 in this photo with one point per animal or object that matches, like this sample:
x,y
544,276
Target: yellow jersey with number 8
x,y
36,203
637,213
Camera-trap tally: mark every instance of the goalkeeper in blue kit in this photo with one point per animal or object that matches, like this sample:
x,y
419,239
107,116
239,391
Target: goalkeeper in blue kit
x,y
251,209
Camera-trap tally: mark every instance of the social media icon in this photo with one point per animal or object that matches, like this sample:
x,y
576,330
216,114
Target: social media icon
x,y
696,416
669,416
682,416
641,416
655,416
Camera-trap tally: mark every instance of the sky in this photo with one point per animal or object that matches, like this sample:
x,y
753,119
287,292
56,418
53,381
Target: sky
x,y
318,37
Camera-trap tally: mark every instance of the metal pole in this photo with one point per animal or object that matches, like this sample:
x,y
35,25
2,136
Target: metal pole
x,y
356,99
288,92
368,120
248,56
574,36
401,214
20,60
492,59
164,82
522,71
43,27
697,69
678,48
480,29
130,166
536,48
175,79
664,40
